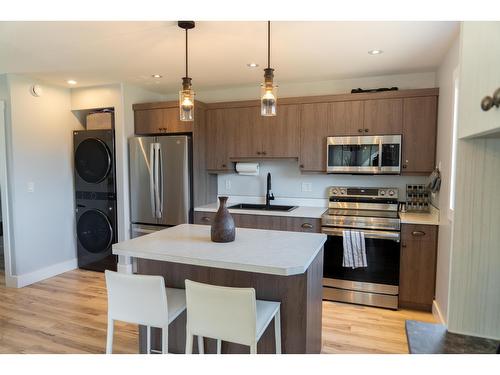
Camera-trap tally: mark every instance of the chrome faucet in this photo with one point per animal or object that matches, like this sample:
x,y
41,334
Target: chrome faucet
x,y
269,193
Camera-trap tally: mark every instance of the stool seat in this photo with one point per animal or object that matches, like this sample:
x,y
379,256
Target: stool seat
x,y
176,303
266,310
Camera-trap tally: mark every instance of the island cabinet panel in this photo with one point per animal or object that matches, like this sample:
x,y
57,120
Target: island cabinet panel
x,y
299,295
418,266
383,116
314,119
284,223
160,120
419,134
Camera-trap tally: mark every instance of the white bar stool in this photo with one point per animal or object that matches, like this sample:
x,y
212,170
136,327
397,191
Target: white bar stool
x,y
142,299
228,314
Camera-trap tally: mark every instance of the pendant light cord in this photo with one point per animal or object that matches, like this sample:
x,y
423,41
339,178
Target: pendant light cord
x,y
186,52
268,44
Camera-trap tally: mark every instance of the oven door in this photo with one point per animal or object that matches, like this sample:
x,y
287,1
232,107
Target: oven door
x,y
382,255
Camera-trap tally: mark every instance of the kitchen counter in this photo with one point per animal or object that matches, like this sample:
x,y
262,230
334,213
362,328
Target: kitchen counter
x,y
254,250
430,218
300,211
281,266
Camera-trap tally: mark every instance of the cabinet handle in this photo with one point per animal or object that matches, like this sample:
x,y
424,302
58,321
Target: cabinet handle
x,y
264,153
366,130
205,218
360,130
405,166
301,166
489,102
418,233
403,244
223,165
258,152
306,226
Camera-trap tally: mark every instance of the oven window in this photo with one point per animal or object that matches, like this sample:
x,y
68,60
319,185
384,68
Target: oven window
x,y
390,155
353,155
382,257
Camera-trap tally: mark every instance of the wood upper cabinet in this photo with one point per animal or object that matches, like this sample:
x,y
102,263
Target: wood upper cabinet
x,y
346,118
418,266
314,120
280,134
160,120
218,137
419,134
383,116
245,140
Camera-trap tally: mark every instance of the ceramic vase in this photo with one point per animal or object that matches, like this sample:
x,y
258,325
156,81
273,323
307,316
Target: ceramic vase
x,y
223,229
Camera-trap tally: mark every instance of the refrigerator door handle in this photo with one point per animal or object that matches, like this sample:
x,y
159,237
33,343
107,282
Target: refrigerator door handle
x,y
156,181
152,159
159,182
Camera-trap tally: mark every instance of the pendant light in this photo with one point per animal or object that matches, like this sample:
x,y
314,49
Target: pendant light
x,y
186,95
268,88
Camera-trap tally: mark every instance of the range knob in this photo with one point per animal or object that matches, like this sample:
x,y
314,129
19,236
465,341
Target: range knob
x,y
342,191
335,191
382,192
391,192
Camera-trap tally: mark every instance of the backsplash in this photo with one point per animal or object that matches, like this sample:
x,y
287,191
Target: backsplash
x,y
288,182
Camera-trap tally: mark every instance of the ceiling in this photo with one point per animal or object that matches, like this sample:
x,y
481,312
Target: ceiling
x,y
107,52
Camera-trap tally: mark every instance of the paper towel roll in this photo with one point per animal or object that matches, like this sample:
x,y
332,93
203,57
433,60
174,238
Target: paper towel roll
x,y
247,169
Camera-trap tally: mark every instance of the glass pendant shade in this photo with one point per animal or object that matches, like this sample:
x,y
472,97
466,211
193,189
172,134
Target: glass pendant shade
x,y
268,99
186,105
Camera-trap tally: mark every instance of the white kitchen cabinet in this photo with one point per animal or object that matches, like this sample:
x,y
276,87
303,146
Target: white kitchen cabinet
x,y
479,77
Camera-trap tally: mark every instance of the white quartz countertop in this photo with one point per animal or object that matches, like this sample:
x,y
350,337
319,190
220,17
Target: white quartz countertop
x,y
300,211
254,250
430,218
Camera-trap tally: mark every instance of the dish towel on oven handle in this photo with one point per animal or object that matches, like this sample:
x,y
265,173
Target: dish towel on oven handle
x,y
354,249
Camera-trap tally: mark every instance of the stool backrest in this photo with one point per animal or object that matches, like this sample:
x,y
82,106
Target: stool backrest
x,y
224,313
139,299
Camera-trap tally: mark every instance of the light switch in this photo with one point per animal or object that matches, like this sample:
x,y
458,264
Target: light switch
x,y
31,187
228,184
306,186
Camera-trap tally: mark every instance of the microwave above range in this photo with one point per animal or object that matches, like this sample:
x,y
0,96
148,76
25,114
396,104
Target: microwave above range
x,y
379,154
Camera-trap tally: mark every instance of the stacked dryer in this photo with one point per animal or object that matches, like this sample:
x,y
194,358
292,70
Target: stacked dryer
x,y
95,193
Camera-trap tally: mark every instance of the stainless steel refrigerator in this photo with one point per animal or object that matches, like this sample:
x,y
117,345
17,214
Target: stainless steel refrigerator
x,y
160,182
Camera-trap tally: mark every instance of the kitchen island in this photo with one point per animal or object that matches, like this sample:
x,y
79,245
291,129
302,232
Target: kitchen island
x,y
281,266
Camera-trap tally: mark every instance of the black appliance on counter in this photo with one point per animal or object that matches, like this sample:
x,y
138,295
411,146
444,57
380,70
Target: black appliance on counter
x,y
373,211
95,198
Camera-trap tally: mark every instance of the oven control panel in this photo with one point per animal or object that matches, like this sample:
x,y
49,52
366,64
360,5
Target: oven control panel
x,y
344,191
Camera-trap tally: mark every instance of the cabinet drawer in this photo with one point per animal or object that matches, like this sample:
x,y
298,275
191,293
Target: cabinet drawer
x,y
204,218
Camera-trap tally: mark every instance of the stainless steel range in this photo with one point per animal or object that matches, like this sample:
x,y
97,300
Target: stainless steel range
x,y
373,211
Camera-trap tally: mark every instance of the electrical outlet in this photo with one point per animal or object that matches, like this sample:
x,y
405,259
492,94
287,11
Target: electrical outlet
x,y
31,187
228,184
306,186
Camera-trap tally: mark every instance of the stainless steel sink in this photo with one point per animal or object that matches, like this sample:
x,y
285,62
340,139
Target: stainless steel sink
x,y
263,207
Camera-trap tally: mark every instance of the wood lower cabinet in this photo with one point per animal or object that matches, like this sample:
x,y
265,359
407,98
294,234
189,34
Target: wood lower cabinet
x,y
160,120
417,276
419,134
383,116
284,223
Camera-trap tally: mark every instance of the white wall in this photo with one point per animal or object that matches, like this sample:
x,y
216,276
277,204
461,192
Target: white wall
x,y
40,139
445,79
310,88
287,182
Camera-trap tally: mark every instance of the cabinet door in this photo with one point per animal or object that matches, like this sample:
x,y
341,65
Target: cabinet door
x,y
346,118
246,135
218,137
383,116
313,132
172,123
281,133
419,134
149,121
418,266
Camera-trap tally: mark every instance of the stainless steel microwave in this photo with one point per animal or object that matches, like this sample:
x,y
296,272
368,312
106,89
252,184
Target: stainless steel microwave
x,y
380,154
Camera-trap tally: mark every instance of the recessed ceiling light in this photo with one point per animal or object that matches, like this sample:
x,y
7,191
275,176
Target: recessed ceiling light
x,y
252,65
375,52
156,75
71,82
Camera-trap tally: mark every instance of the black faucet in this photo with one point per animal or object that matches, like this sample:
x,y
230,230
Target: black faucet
x,y
269,193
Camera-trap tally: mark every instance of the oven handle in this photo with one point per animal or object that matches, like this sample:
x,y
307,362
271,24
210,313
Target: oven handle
x,y
375,234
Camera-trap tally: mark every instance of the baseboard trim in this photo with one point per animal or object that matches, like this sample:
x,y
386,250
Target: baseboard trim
x,y
20,281
437,313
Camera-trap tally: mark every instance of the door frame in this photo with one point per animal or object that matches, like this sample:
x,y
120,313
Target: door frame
x,y
10,280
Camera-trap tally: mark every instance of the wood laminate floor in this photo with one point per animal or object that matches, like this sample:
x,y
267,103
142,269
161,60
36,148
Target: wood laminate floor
x,y
67,314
